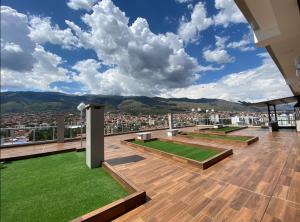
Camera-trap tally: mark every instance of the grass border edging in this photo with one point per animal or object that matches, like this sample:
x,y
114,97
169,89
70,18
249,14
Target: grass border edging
x,y
119,207
209,131
203,164
229,142
47,153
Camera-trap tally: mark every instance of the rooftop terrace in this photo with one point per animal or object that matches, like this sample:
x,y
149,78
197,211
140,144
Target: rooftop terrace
x,y
260,182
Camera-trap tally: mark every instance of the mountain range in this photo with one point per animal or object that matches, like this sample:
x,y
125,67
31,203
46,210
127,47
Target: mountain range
x,y
26,101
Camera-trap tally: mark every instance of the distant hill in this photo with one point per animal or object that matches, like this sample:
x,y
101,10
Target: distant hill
x,y
16,102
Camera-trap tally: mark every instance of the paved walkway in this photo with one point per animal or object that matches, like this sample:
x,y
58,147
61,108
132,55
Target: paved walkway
x,y
260,182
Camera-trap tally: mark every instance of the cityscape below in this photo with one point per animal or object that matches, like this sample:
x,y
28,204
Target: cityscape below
x,y
20,128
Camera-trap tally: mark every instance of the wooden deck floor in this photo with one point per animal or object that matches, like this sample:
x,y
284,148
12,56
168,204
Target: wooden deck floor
x,y
260,182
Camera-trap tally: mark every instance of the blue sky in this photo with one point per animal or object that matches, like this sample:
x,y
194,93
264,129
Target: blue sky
x,y
170,48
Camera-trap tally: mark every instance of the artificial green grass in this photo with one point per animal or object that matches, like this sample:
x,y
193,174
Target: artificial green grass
x,y
224,137
190,152
54,188
226,128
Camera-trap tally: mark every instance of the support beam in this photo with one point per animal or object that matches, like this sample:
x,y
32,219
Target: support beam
x,y
275,111
269,113
94,135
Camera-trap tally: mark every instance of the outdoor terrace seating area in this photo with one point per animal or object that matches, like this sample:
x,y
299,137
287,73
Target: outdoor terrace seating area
x,y
259,182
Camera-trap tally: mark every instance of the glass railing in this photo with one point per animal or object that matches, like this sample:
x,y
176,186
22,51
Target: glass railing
x,y
25,135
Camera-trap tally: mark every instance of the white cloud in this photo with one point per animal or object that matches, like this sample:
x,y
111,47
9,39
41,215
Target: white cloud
x,y
16,46
228,13
45,70
11,47
42,31
183,1
109,82
261,83
138,56
189,30
81,4
25,65
220,41
245,44
219,54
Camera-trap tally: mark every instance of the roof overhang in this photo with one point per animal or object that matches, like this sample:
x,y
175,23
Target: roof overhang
x,y
287,100
275,24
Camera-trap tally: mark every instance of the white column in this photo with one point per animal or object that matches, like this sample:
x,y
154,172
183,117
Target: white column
x,y
94,135
170,121
298,125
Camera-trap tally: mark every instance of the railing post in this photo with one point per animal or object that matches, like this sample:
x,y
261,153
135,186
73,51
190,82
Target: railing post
x,y
170,118
53,133
60,128
12,135
33,135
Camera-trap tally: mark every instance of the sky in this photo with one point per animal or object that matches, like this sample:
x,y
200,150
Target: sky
x,y
169,48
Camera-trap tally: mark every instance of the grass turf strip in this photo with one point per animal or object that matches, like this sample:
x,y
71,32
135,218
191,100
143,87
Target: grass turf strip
x,y
190,152
227,128
210,136
54,188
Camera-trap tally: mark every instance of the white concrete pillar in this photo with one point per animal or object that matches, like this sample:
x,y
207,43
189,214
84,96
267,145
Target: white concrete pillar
x,y
94,135
60,120
170,116
298,125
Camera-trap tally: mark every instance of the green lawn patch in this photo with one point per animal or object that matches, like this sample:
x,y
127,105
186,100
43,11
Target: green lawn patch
x,y
54,188
191,152
224,137
226,128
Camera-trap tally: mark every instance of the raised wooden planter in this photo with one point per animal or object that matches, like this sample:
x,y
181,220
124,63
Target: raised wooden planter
x,y
201,164
119,207
211,131
220,140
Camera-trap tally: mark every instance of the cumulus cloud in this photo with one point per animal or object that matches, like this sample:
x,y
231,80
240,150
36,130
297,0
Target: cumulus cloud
x,y
42,31
153,62
16,46
189,30
109,82
245,44
25,64
260,83
46,69
228,13
81,4
219,54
